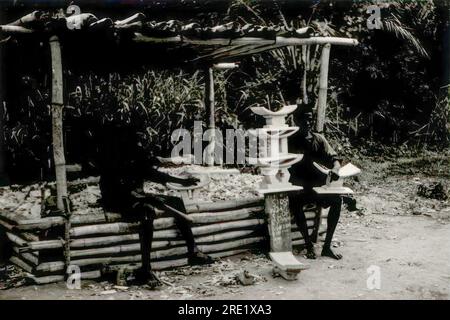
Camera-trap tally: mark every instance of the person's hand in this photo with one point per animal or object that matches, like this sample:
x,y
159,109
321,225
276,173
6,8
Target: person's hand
x,y
150,208
334,174
190,181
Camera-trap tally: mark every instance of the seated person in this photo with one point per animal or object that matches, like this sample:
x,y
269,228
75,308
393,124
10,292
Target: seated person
x,y
315,148
124,166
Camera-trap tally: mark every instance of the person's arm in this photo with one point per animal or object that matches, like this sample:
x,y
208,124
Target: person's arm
x,y
335,170
333,157
148,165
157,176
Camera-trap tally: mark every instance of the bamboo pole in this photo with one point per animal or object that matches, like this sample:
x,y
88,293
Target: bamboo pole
x,y
50,222
33,244
40,224
239,214
42,245
300,241
219,237
282,41
206,214
225,66
4,177
67,227
107,228
210,107
19,262
118,240
15,239
209,248
209,229
52,266
117,249
211,217
8,217
27,257
220,247
123,227
105,242
47,279
57,121
224,205
6,225
56,278
101,241
28,236
214,241
323,87
155,255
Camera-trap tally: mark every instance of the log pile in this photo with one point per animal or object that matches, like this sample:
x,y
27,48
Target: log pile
x,y
221,229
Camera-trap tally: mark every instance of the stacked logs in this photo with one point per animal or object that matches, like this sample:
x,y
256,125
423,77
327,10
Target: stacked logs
x,y
220,229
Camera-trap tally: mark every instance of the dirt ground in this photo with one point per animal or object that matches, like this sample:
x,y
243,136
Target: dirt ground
x,y
398,233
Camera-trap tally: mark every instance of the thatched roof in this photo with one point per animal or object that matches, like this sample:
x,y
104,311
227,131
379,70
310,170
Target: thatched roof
x,y
218,43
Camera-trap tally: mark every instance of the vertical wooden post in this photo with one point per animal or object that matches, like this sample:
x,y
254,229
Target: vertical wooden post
x,y
323,87
279,221
210,107
57,121
67,226
3,175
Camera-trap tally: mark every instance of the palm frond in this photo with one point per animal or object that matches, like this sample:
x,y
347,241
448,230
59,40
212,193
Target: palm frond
x,y
393,25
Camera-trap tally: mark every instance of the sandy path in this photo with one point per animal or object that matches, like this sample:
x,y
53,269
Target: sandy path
x,y
411,251
412,266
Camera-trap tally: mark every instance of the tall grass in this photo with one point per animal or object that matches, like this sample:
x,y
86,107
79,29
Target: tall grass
x,y
155,102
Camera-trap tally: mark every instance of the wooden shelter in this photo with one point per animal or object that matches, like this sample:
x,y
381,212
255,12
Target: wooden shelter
x,y
223,43
215,48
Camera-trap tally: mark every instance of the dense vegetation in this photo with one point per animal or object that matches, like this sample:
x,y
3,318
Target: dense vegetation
x,y
391,90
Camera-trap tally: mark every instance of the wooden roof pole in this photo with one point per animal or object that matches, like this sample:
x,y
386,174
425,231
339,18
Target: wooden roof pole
x,y
323,87
57,122
281,41
210,109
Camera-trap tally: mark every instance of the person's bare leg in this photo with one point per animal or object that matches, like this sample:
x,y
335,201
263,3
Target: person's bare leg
x,y
146,274
296,206
332,221
195,256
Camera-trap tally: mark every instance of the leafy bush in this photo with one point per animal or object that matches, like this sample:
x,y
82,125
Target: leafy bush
x,y
383,90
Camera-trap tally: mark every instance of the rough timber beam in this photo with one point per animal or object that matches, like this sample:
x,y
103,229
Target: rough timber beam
x,y
281,41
